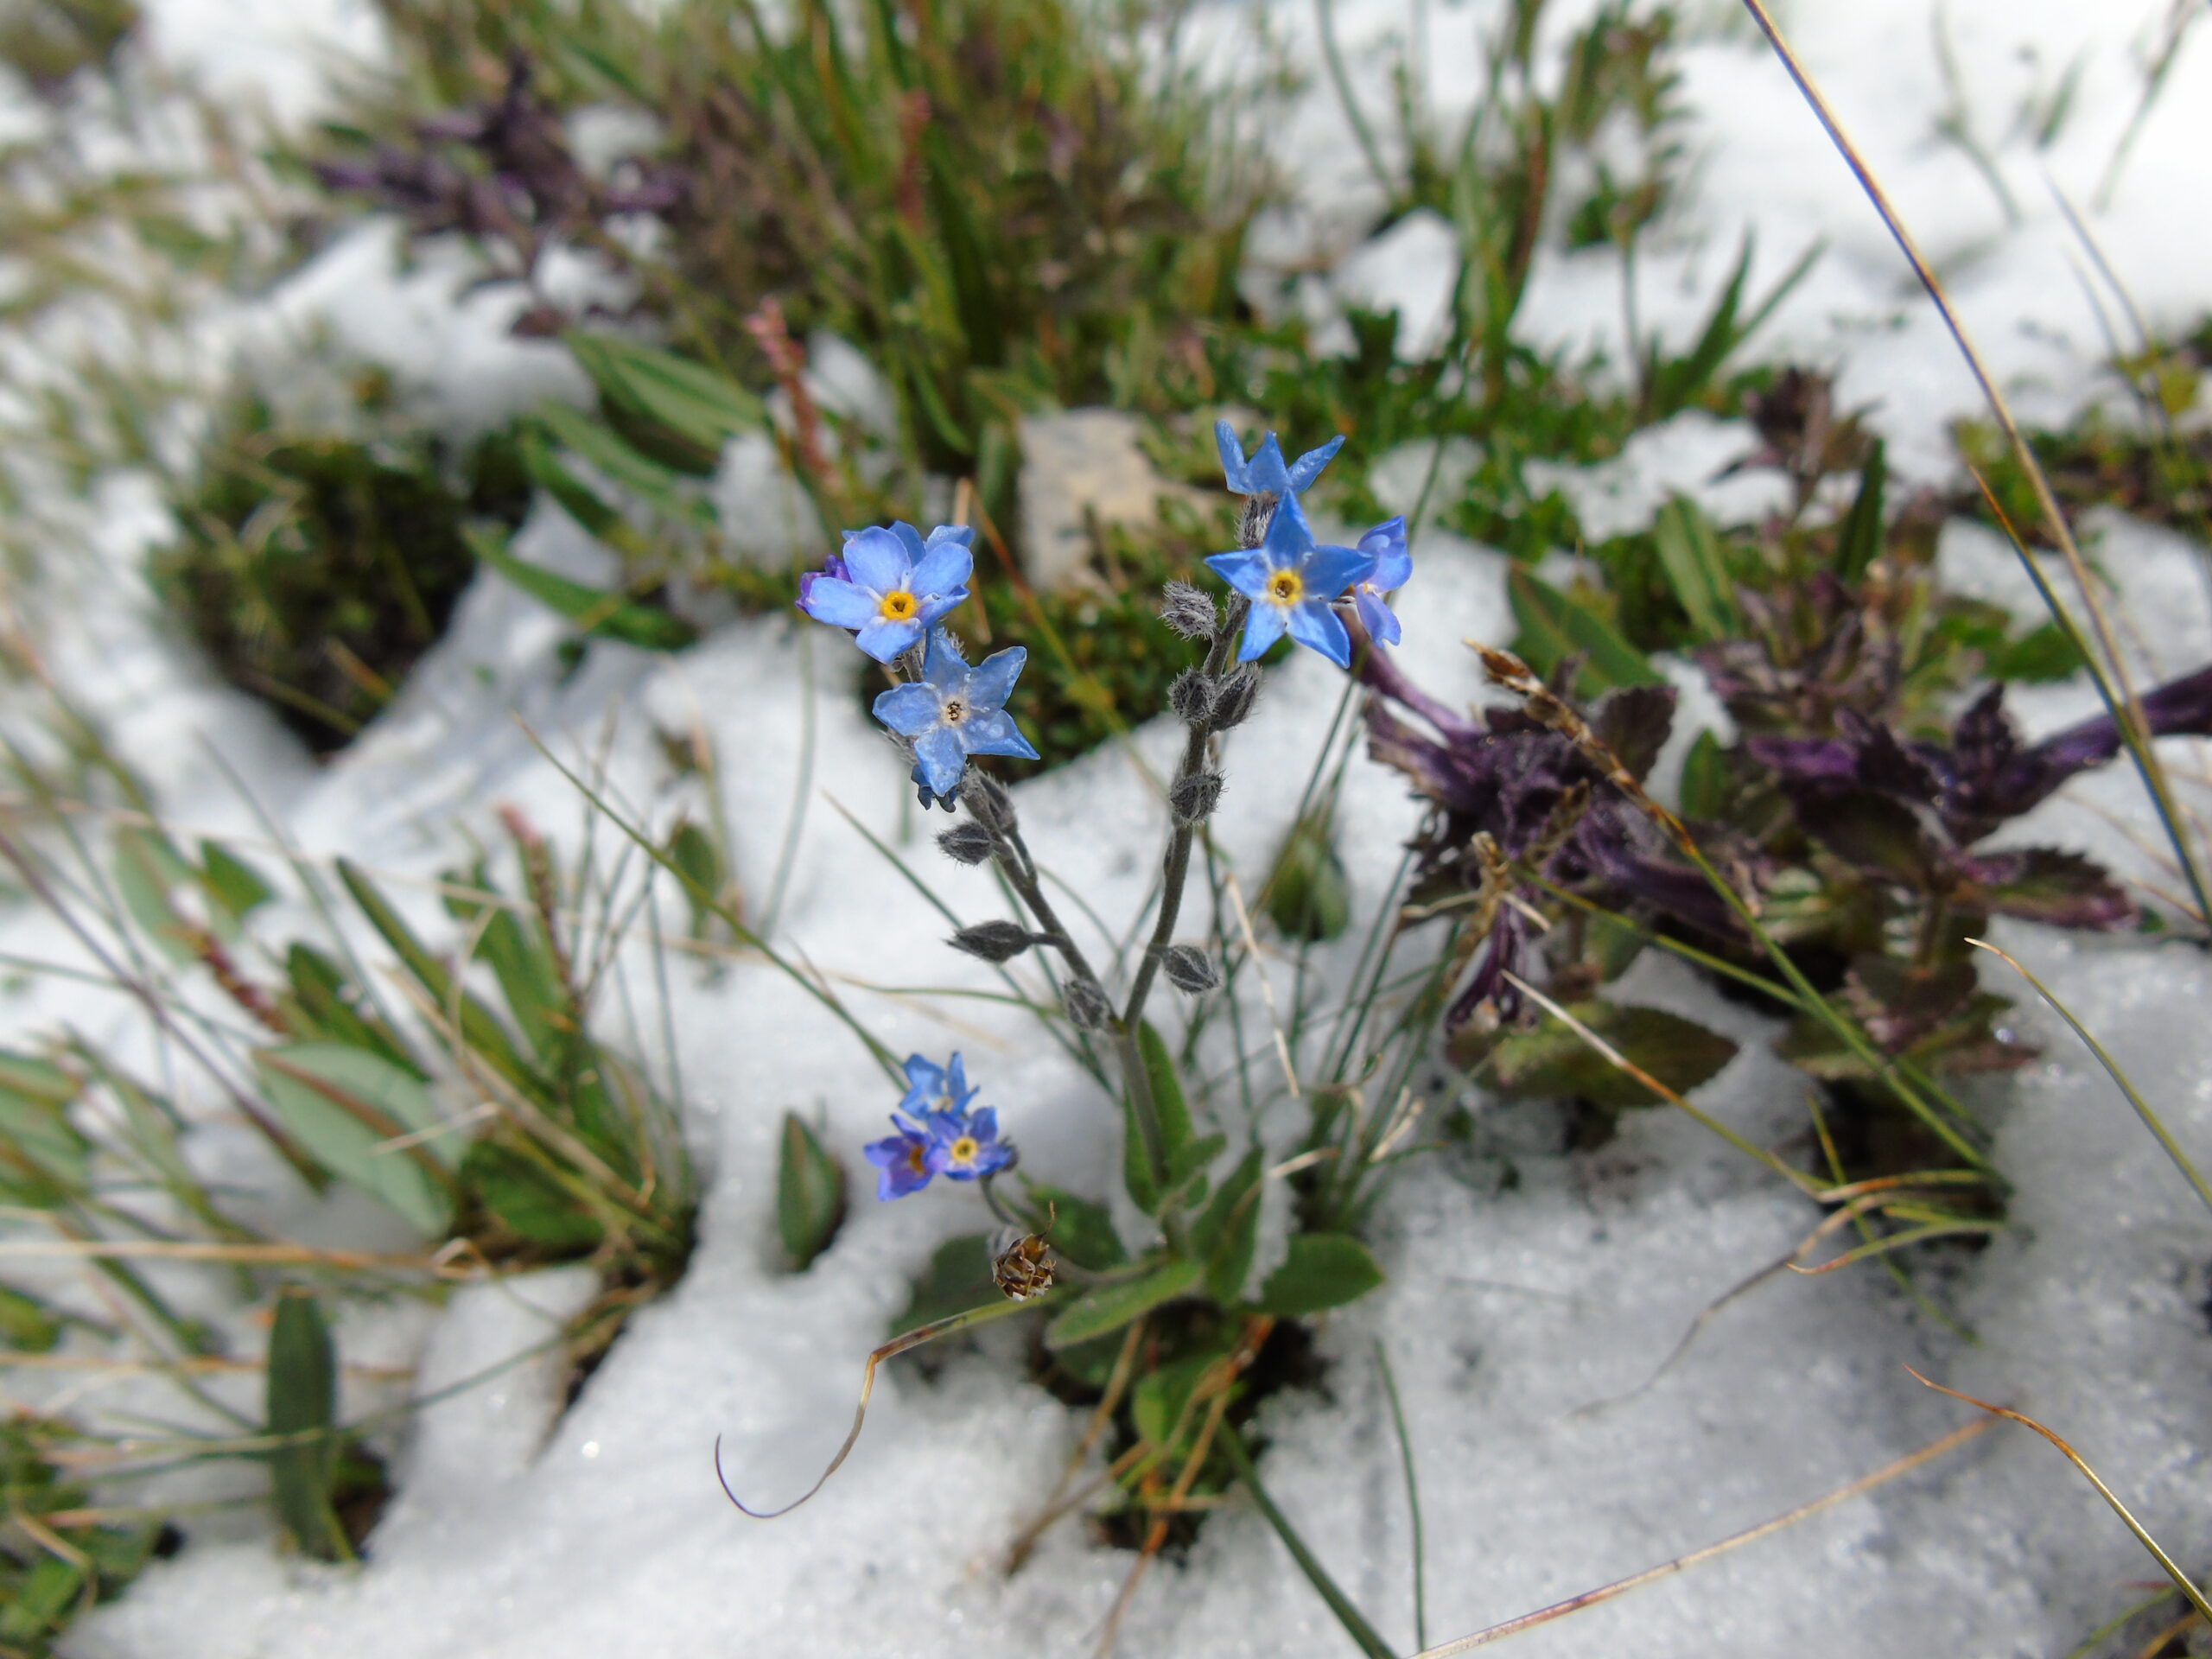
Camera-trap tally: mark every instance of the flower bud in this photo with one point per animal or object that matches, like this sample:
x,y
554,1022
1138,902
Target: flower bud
x,y
1191,696
987,800
1188,612
1189,969
993,941
969,842
1193,798
1087,1007
1259,512
1233,696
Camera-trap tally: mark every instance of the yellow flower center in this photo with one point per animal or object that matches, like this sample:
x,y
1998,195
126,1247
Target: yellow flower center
x,y
897,606
964,1150
917,1155
1285,587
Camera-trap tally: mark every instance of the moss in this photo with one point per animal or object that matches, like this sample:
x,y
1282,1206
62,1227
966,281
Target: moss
x,y
315,570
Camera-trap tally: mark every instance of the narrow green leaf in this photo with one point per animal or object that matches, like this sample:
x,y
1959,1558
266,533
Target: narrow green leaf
x,y
1356,1625
522,962
1175,1116
523,1196
1704,779
41,1601
1689,554
1554,628
148,870
231,882
344,1104
1157,1402
302,1398
809,1194
1323,1270
1227,1230
1859,540
590,610
1111,1306
44,1160
578,500
705,407
27,1325
660,487
320,1010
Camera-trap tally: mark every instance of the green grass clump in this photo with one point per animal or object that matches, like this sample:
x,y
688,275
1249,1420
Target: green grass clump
x,y
55,1557
316,570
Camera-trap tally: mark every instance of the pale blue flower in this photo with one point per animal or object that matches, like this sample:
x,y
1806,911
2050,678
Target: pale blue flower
x,y
965,1147
1393,568
1291,584
1265,474
889,585
933,1088
954,711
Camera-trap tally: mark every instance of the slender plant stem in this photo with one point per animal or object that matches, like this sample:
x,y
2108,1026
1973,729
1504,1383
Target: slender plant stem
x,y
1354,1622
1413,1496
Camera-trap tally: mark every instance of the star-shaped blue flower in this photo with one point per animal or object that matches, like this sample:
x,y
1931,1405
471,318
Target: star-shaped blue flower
x,y
933,1088
888,586
1291,584
907,1161
1393,566
967,1148
1265,474
954,711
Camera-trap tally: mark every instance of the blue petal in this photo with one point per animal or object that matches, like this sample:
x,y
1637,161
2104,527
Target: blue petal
x,y
888,641
1233,469
955,1082
1261,630
1376,617
1247,573
838,603
910,539
1392,564
943,568
1267,473
943,756
992,683
943,666
964,534
1289,536
1315,625
997,734
1308,467
984,1125
909,709
1328,571
937,607
878,560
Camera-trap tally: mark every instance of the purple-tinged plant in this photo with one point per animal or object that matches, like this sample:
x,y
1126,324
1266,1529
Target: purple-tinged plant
x,y
1294,586
893,587
954,711
833,569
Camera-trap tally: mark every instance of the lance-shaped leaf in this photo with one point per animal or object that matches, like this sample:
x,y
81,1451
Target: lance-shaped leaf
x,y
43,1158
809,1194
1689,554
1322,1271
608,615
303,1401
1552,1059
1553,627
347,1107
700,408
1177,1140
1111,1306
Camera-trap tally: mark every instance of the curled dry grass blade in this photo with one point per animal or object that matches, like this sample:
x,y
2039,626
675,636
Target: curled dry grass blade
x,y
890,1350
2150,1119
2166,1561
1905,1466
2128,710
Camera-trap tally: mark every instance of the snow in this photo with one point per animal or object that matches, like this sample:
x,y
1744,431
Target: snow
x,y
1514,1311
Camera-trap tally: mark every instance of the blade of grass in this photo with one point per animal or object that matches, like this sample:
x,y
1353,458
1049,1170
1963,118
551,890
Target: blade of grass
x,y
2150,1119
1350,1617
1413,1495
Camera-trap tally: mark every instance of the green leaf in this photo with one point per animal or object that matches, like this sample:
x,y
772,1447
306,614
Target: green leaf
x,y
578,500
1175,1134
705,408
1308,894
1082,1228
1227,1231
27,1325
41,1601
957,1277
302,1397
1323,1270
1553,627
657,487
526,1199
320,1010
809,1194
700,865
345,1104
1859,538
1156,1402
522,962
1553,1060
148,869
1689,553
232,883
1111,1306
43,1158
1704,779
589,610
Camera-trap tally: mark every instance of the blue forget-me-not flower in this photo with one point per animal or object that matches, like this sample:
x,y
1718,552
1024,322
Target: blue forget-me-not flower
x,y
1393,566
1264,473
933,1088
1291,584
954,711
889,585
936,1134
907,1161
967,1148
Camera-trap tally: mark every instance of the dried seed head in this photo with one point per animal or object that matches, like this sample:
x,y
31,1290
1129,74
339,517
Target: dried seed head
x,y
1193,799
1191,696
993,941
1233,696
1188,969
1252,523
1024,1269
966,843
988,801
1188,612
1087,1007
